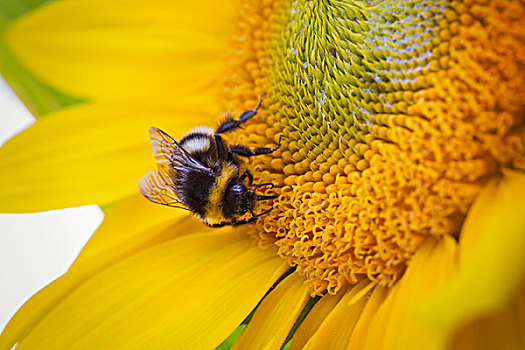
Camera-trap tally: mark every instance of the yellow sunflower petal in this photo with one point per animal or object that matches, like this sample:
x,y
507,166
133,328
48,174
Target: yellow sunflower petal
x,y
315,318
92,153
336,329
503,329
133,224
375,301
492,265
128,226
397,324
275,316
111,49
189,292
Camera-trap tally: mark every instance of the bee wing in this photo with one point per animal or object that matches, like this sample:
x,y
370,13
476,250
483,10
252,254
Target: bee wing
x,y
155,188
160,186
171,156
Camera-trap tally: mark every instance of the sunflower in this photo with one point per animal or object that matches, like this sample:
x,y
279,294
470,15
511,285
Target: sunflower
x,y
400,218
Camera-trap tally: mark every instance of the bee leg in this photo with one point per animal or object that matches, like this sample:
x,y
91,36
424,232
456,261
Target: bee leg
x,y
248,175
252,112
243,222
244,151
222,152
252,219
231,124
219,224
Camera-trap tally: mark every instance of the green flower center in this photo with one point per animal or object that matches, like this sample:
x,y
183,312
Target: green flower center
x,y
394,114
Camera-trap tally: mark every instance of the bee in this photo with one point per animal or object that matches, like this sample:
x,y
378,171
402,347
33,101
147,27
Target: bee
x,y
202,174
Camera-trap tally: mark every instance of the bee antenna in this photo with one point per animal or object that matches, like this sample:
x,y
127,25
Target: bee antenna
x,y
262,185
263,197
255,216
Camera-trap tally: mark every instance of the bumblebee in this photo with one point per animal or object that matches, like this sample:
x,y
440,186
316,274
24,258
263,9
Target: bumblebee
x,y
201,173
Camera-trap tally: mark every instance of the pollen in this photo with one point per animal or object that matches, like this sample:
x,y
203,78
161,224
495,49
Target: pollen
x,y
393,115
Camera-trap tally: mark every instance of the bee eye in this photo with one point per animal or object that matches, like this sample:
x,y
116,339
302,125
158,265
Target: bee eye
x,y
237,188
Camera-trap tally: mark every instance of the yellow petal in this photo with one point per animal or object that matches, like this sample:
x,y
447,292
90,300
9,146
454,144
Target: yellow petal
x,y
100,49
186,293
397,323
374,302
492,265
91,153
504,329
315,318
336,329
129,226
276,315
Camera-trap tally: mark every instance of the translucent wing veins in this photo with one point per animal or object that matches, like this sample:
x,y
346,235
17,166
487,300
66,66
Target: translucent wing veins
x,y
160,186
155,188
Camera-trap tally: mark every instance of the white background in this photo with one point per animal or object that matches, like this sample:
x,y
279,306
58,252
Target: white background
x,y
35,248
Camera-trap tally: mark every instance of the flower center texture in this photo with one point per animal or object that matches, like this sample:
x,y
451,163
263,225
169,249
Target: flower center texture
x,y
394,114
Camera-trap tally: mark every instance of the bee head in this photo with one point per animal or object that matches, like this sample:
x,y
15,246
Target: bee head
x,y
238,199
